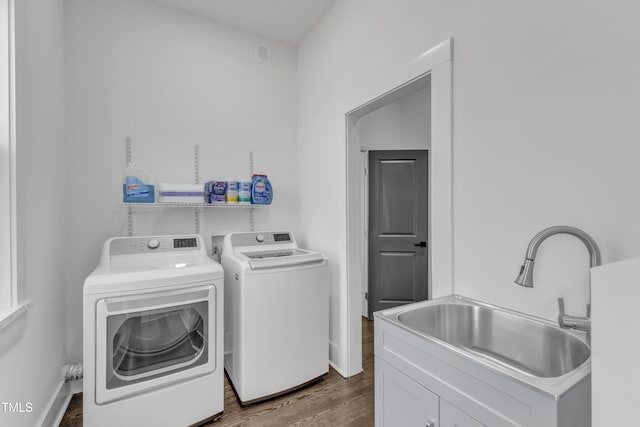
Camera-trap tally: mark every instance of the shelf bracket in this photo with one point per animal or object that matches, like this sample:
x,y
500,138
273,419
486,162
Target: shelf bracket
x,y
129,221
196,172
197,220
252,220
127,153
196,164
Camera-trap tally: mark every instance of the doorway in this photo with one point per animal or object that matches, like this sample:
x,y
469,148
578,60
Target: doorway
x,y
399,121
397,224
433,68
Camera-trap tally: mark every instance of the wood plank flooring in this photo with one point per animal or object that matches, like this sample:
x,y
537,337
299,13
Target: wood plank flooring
x,y
332,402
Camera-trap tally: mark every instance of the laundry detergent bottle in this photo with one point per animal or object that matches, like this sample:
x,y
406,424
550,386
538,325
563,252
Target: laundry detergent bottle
x,y
138,185
261,191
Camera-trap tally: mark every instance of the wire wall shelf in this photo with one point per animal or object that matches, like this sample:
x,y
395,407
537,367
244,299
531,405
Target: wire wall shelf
x,y
196,206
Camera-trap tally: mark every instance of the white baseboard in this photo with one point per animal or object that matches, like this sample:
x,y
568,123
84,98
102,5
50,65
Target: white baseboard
x,y
338,370
76,386
58,403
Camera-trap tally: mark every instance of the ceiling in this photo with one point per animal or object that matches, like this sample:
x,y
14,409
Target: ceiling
x,y
285,20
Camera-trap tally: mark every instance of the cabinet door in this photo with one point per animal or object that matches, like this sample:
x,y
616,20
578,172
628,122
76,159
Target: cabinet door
x,y
400,401
450,416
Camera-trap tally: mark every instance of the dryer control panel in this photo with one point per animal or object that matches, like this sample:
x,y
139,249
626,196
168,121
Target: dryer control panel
x,y
153,244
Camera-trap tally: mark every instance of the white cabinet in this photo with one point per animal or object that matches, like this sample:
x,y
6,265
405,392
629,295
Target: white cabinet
x,y
450,416
615,348
400,401
403,402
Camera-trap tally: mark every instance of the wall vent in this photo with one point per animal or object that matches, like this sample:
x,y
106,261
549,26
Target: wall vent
x,y
263,53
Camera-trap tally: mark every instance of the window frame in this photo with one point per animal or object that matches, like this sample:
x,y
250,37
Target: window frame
x,y
9,308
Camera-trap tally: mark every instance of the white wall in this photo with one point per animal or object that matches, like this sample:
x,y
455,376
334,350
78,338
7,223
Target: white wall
x,y
30,370
403,124
544,133
168,80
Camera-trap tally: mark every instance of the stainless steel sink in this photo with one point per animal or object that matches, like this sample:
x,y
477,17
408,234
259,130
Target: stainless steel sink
x,y
516,342
532,350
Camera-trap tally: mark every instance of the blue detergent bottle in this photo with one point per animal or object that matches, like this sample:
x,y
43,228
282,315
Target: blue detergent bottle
x,y
261,191
138,185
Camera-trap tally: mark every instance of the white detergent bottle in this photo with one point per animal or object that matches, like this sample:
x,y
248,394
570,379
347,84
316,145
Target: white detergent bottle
x,y
138,185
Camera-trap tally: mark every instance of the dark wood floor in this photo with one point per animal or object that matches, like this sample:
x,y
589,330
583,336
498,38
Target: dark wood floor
x,y
334,401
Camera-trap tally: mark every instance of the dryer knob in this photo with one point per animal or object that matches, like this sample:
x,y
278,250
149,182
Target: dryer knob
x,y
153,244
260,238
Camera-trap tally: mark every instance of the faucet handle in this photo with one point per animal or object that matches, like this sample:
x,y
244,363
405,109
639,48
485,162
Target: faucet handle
x,y
561,306
561,314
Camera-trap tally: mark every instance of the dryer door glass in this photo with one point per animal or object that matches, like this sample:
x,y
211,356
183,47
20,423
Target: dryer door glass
x,y
149,344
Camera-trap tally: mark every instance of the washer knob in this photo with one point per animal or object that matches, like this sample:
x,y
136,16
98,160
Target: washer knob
x,y
153,244
260,238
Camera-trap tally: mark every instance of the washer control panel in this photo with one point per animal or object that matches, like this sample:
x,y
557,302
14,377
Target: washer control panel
x,y
263,238
141,245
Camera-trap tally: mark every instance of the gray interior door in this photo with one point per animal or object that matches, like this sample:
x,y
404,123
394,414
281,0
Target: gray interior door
x,y
398,195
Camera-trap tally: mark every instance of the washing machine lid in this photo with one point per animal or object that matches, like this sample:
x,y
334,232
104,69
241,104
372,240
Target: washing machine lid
x,y
264,250
285,257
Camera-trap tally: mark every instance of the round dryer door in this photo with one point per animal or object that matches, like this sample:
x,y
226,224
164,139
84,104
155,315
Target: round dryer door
x,y
147,344
144,341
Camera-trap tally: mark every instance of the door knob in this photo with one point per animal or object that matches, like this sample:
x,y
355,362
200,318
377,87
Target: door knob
x,y
421,244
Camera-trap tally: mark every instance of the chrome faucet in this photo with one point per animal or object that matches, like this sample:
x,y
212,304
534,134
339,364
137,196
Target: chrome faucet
x,y
525,277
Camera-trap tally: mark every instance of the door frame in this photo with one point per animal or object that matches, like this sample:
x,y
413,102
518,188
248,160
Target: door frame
x,y
435,64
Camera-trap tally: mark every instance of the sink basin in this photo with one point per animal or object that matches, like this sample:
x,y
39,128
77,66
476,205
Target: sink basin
x,y
532,350
530,347
497,367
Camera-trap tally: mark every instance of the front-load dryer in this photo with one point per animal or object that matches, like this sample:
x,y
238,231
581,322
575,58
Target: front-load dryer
x,y
152,330
276,314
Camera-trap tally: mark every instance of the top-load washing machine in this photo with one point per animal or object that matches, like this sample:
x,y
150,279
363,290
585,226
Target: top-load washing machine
x,y
276,314
152,314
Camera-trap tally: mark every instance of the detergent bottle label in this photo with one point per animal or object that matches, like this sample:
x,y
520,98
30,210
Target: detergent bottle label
x,y
135,188
260,187
261,191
